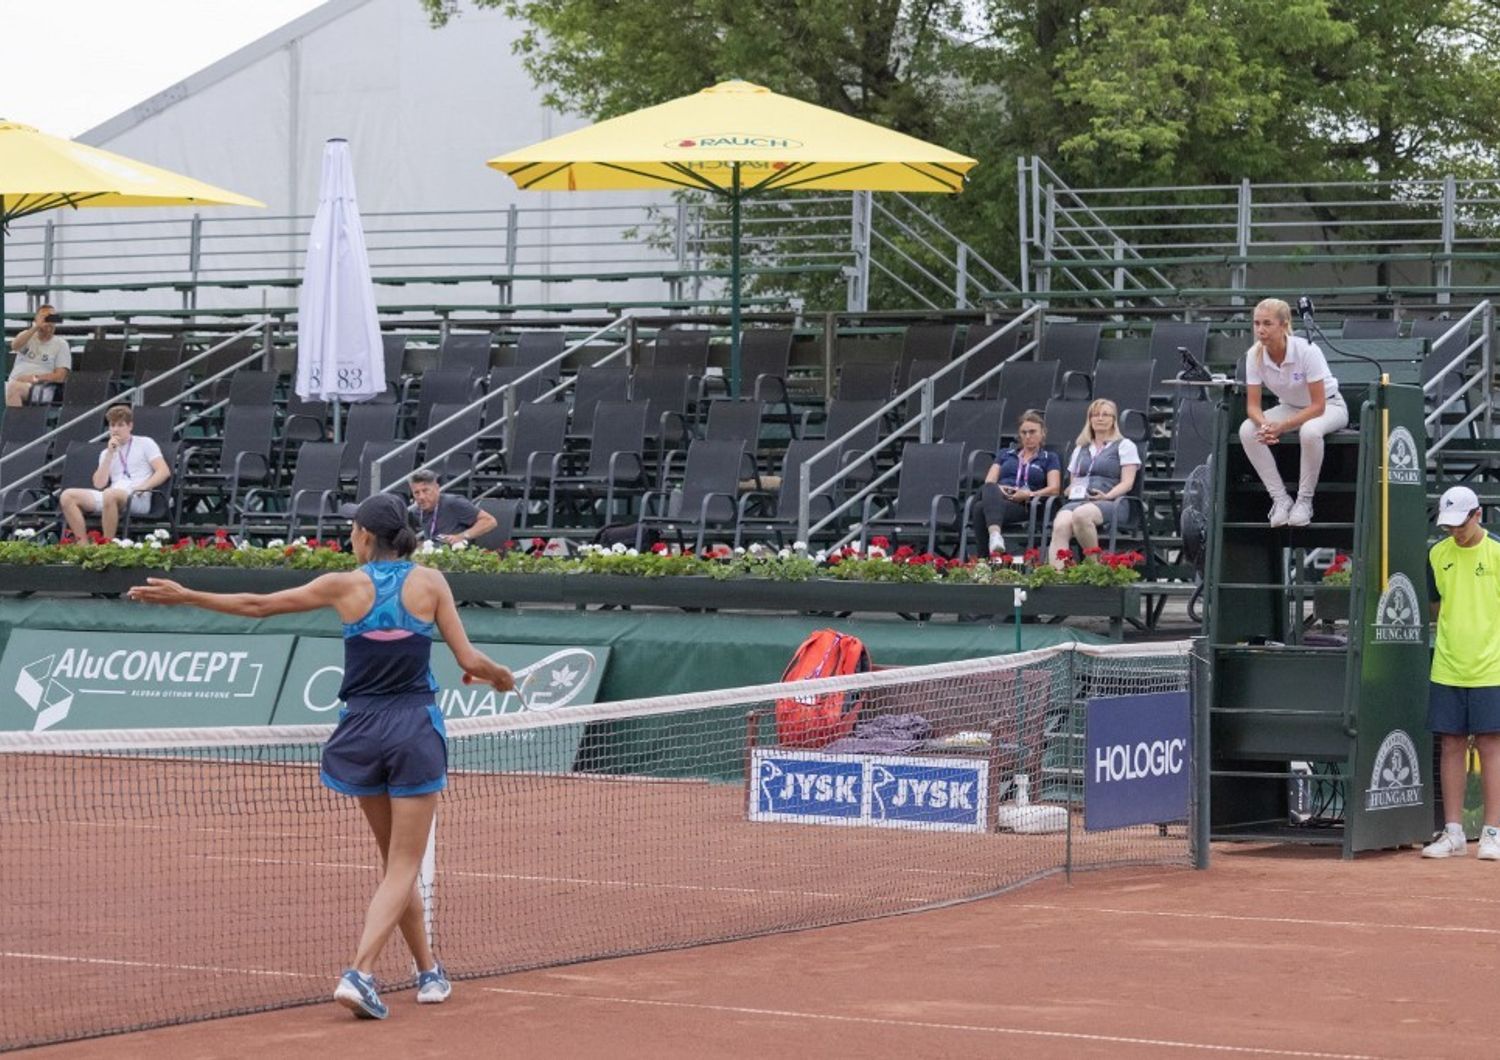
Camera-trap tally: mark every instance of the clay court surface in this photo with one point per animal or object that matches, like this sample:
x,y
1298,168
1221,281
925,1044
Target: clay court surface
x,y
1275,951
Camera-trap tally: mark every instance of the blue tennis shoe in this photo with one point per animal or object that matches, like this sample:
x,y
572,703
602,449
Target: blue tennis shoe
x,y
433,987
357,993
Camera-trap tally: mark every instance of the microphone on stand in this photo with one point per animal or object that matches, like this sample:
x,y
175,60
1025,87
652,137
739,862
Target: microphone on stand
x,y
1310,326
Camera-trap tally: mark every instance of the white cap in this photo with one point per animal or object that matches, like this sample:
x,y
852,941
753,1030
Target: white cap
x,y
1457,503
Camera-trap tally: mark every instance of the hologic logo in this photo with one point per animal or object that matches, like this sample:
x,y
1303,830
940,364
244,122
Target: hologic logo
x,y
1159,758
1402,466
1396,779
720,140
1397,617
37,689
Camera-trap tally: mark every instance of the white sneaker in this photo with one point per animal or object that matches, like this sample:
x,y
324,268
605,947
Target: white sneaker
x,y
1448,845
1489,843
997,544
1280,510
1301,513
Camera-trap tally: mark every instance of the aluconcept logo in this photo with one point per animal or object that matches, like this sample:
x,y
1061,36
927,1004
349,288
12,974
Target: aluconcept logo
x,y
37,689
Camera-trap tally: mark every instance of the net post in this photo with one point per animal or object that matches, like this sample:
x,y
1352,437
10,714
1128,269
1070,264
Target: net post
x,y
1200,689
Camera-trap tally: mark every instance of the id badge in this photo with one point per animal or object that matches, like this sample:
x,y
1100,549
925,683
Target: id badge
x,y
1079,488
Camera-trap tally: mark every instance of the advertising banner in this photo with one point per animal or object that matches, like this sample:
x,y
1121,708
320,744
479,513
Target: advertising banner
x,y
1137,760
72,679
886,791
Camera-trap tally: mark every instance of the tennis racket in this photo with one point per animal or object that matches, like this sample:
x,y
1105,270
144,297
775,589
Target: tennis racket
x,y
556,680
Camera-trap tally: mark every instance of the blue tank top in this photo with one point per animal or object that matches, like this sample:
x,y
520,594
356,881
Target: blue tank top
x,y
388,652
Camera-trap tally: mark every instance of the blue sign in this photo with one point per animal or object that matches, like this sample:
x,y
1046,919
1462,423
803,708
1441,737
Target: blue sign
x,y
887,791
1137,765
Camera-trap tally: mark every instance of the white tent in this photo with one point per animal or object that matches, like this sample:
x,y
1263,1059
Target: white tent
x,y
422,108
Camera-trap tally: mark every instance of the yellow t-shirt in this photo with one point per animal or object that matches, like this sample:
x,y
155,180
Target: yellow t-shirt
x,y
1466,581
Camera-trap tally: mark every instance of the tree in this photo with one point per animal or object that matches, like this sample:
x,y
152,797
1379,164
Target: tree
x,y
1129,93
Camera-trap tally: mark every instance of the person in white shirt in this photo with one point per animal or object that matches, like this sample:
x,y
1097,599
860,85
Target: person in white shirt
x,y
43,358
129,469
1102,470
1308,399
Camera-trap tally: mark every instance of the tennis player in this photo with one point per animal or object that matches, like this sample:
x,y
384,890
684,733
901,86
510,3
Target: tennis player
x,y
389,750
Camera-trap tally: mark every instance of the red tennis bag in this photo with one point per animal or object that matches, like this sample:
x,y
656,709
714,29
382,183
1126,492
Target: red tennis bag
x,y
814,721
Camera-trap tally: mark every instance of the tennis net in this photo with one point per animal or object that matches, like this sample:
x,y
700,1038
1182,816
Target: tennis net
x,y
160,876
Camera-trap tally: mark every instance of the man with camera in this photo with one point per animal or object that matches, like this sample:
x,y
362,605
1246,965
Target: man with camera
x,y
43,359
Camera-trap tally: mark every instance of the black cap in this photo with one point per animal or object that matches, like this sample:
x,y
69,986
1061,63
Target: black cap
x,y
382,515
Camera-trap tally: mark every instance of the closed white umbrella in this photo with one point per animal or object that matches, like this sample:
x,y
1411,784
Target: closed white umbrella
x,y
339,354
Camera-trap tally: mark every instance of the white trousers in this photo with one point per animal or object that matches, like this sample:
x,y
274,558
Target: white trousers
x,y
1310,435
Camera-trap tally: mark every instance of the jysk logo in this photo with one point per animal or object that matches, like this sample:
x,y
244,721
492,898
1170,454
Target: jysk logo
x,y
1402,465
1396,779
743,140
1398,620
811,787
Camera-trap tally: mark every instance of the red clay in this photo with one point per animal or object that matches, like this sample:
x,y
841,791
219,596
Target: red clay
x,y
1273,952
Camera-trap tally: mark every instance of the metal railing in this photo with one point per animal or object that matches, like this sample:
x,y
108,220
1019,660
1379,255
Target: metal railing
x,y
922,423
1454,384
1120,244
680,244
625,324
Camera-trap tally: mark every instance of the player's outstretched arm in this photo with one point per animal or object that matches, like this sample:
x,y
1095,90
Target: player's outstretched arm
x,y
320,592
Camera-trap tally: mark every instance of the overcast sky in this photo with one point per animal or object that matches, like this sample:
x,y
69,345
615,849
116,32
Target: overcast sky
x,y
72,64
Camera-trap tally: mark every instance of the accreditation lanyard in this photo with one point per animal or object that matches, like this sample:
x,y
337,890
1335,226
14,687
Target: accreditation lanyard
x,y
1087,472
432,526
124,456
1023,471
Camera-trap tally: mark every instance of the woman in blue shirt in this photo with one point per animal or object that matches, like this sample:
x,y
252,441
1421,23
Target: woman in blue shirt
x,y
1019,474
389,750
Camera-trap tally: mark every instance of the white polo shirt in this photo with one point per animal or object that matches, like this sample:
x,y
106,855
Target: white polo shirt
x,y
1304,363
130,467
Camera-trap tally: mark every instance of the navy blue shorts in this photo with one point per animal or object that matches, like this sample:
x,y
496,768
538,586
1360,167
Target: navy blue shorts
x,y
1463,711
400,751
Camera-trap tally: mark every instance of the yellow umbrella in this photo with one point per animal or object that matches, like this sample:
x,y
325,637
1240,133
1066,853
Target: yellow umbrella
x,y
40,172
735,139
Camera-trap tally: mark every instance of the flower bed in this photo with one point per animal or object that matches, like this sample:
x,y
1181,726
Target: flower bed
x,y
878,564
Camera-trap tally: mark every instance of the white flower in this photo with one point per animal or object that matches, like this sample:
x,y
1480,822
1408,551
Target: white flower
x,y
632,552
618,548
459,546
739,551
799,546
428,546
123,542
821,557
159,534
299,542
854,546
153,542
876,552
785,553
24,534
276,542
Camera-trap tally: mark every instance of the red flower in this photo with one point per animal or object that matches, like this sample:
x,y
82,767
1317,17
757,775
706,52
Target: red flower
x,y
1031,555
1095,551
182,543
834,560
333,545
313,543
289,550
1340,562
660,548
508,546
1006,558
220,534
95,537
67,538
223,545
538,543
880,542
903,552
